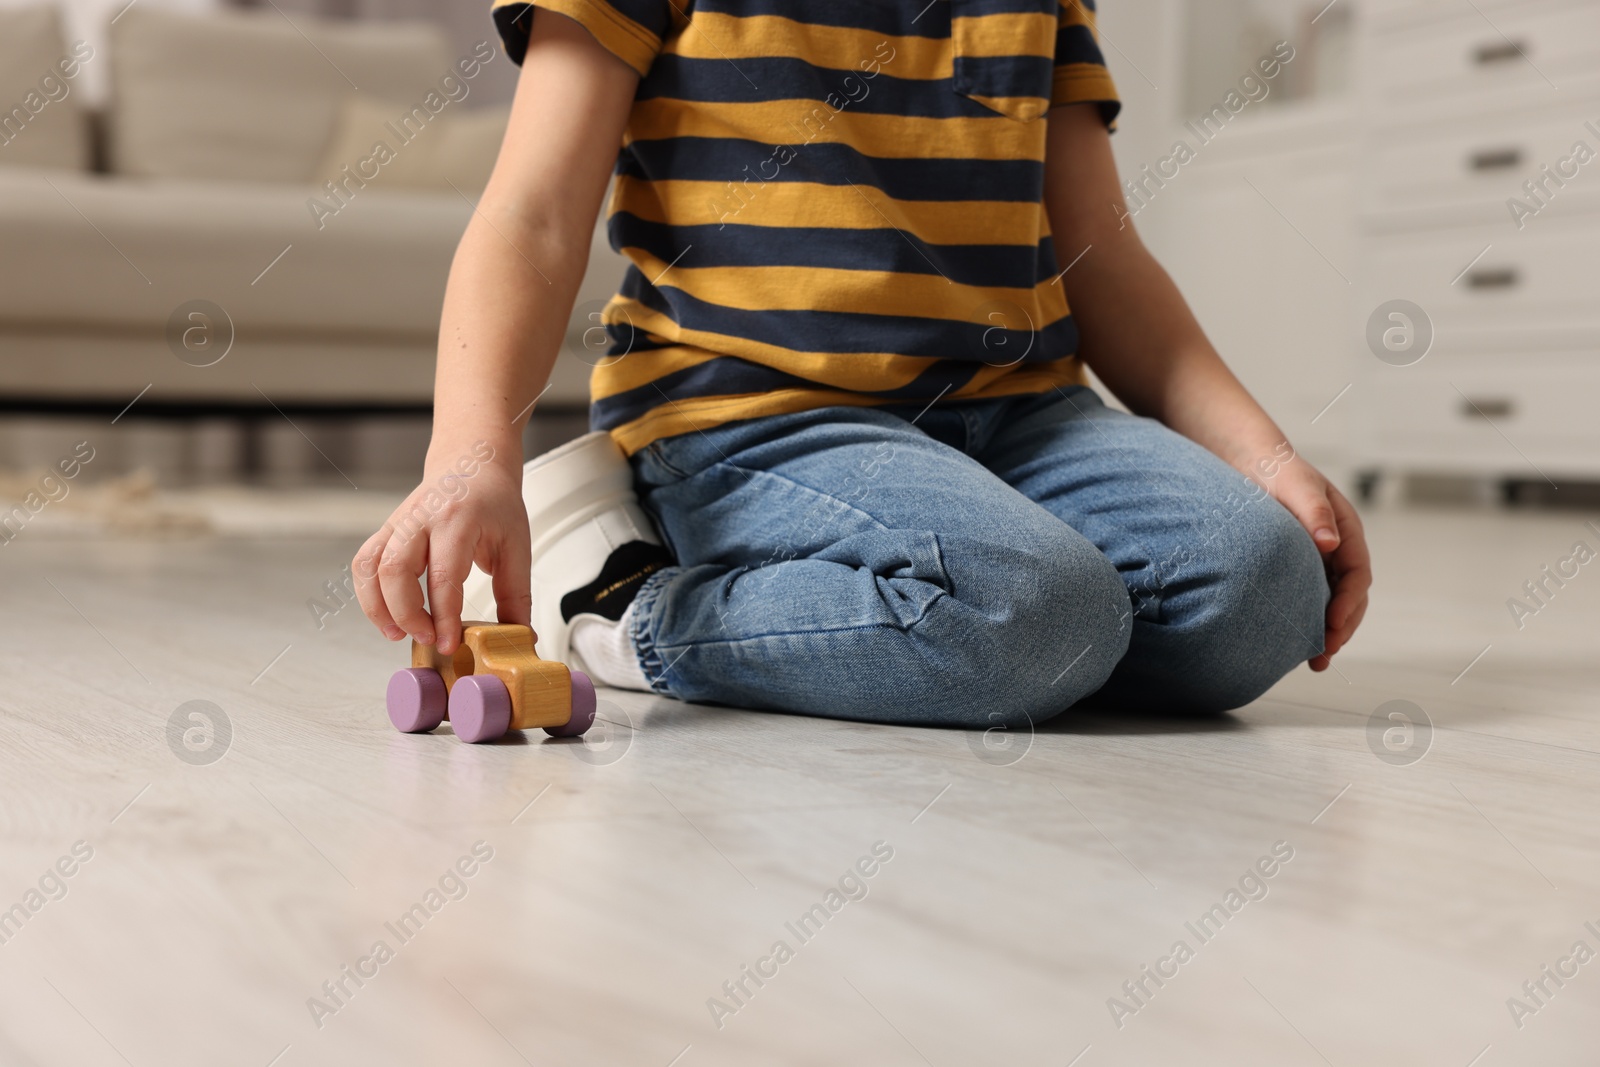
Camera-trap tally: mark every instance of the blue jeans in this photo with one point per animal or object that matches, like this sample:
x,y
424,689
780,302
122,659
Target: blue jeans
x,y
970,565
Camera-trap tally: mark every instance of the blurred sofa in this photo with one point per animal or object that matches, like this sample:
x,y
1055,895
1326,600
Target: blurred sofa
x,y
193,188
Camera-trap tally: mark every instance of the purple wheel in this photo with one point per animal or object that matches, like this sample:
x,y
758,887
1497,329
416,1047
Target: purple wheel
x,y
416,700
480,708
582,708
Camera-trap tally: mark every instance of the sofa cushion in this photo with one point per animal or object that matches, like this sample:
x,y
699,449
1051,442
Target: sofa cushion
x,y
454,148
115,253
41,124
150,245
348,313
252,96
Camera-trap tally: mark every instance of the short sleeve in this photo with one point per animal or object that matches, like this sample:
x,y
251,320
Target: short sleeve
x,y
1081,76
632,30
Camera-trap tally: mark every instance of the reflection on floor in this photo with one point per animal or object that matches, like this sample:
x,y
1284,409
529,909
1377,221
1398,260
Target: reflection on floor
x,y
329,891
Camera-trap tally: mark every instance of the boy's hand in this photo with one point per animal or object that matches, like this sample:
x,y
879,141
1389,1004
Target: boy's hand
x,y
448,523
1335,529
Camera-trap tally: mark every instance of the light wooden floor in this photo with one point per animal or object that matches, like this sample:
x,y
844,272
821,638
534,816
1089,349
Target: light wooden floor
x,y
630,879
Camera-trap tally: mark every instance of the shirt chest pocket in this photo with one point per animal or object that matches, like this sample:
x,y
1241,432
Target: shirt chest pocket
x,y
1004,54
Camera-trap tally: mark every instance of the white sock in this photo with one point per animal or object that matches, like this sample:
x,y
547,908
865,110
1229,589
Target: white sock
x,y
606,649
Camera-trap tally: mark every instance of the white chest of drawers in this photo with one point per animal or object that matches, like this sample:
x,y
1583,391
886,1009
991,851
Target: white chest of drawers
x,y
1461,107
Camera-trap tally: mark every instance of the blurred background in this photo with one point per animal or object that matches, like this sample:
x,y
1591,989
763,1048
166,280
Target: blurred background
x,y
208,277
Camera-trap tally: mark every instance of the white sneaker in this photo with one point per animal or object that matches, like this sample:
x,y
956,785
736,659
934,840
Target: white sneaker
x,y
593,545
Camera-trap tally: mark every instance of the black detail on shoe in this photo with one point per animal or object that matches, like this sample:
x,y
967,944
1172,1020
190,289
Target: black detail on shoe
x,y
625,571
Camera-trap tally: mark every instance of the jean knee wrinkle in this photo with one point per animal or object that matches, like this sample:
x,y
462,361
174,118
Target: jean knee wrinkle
x,y
1062,630
907,567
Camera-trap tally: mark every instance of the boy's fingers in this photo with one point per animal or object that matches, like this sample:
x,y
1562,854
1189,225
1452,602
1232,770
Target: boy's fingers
x,y
1350,589
1317,516
1340,634
1354,624
364,572
513,595
1352,569
1350,566
1345,612
449,561
1353,555
400,565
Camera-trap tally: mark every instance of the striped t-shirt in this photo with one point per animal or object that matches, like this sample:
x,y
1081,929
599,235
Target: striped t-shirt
x,y
832,202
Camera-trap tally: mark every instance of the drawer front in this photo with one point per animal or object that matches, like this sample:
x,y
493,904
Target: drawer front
x,y
1483,163
1539,288
1509,419
1402,14
1509,51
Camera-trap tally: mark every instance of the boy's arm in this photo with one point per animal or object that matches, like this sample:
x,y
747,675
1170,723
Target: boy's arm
x,y
511,288
1139,337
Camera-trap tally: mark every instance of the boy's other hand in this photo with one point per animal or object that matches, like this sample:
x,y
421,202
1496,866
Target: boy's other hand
x,y
447,524
1336,530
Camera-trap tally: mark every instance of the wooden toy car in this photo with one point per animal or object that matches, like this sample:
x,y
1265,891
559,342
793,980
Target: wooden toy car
x,y
492,684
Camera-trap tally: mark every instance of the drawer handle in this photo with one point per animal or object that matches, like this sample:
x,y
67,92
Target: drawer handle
x,y
1495,159
1487,407
1494,278
1499,52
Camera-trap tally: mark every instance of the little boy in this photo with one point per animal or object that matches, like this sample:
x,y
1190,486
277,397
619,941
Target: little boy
x,y
846,386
